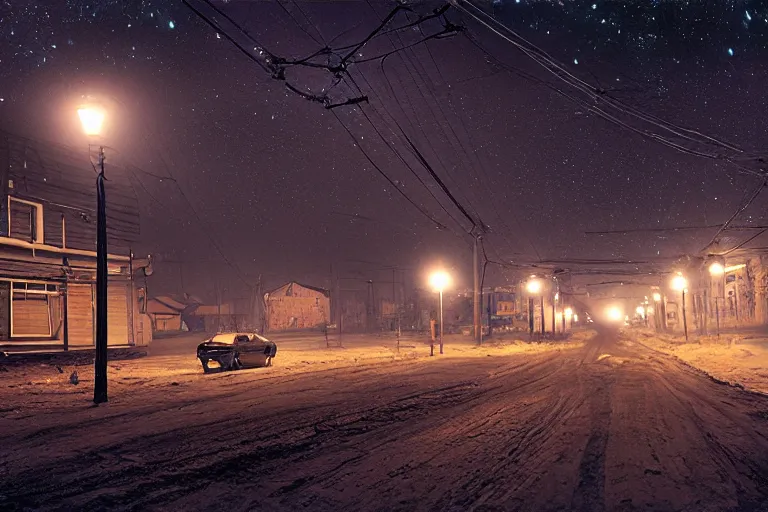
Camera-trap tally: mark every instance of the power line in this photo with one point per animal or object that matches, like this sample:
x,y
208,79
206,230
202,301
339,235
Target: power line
x,y
598,95
380,171
743,207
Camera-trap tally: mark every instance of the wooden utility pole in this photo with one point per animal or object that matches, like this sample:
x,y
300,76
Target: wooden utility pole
x,y
476,301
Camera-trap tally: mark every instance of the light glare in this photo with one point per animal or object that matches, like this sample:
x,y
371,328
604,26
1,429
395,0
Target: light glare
x,y
679,283
615,314
439,280
91,119
533,286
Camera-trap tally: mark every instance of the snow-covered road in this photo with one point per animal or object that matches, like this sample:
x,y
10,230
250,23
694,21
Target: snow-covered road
x,y
607,426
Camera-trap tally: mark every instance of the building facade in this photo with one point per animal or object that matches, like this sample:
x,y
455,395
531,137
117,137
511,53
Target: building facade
x,y
48,251
297,306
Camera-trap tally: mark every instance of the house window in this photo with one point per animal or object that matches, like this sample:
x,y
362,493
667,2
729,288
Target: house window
x,y
25,220
33,306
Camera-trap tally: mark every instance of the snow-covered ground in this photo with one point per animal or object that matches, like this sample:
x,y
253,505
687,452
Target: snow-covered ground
x,y
593,424
735,358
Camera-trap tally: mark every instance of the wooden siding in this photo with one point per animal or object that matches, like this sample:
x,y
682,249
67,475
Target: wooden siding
x,y
117,314
64,182
30,316
297,312
80,314
5,310
166,322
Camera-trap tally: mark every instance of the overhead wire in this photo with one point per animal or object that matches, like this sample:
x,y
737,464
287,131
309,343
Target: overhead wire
x,y
566,76
272,59
481,167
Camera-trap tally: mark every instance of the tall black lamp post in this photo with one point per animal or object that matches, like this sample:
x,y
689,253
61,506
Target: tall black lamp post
x,y
92,120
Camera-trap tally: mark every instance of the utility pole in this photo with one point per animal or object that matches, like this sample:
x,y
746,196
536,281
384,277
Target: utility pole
x,y
685,321
100,361
476,301
530,316
218,303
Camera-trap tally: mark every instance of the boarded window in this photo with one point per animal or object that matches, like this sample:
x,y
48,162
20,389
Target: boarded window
x,y
31,310
23,222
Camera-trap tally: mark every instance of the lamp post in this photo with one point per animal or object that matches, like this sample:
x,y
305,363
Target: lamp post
x,y
439,281
716,270
657,311
534,287
568,315
92,120
680,284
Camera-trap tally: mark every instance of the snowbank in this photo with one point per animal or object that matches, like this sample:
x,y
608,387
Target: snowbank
x,y
737,359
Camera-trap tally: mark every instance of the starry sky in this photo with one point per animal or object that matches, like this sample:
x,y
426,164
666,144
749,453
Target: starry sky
x,y
228,159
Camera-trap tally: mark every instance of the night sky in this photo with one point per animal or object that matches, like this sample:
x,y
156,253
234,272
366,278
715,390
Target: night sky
x,y
278,183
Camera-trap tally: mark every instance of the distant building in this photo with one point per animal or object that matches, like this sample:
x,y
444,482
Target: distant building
x,y
48,250
165,313
297,306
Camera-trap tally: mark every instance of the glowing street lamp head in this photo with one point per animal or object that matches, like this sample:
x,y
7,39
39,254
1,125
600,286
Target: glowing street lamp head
x,y
92,119
679,283
657,297
615,314
640,310
716,269
439,280
568,312
534,287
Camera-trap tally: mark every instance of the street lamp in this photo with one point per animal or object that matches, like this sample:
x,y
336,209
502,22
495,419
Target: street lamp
x,y
92,119
534,287
680,284
569,317
439,281
717,270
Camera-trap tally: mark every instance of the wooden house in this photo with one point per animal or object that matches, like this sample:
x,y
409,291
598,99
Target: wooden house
x,y
48,250
297,306
165,313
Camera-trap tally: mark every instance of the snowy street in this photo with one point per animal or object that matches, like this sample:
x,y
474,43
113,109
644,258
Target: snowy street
x,y
606,425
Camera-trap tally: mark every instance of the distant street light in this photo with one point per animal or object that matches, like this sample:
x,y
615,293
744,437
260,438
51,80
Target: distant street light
x,y
615,314
92,119
656,297
680,284
534,287
569,316
439,281
717,270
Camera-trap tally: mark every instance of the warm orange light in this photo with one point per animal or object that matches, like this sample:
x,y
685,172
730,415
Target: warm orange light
x,y
534,287
92,119
679,283
657,297
716,269
568,312
439,280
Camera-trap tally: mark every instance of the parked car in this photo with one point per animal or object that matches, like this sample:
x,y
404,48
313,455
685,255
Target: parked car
x,y
234,350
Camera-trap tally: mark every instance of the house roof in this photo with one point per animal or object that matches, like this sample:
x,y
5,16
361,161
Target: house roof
x,y
169,302
154,306
307,286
